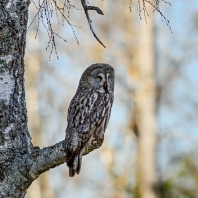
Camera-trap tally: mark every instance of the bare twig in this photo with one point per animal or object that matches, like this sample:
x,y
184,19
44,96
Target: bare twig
x,y
86,8
143,7
130,7
46,9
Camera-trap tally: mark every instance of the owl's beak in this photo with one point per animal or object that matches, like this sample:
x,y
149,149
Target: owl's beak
x,y
105,86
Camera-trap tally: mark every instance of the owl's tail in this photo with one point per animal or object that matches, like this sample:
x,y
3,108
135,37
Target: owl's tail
x,y
74,164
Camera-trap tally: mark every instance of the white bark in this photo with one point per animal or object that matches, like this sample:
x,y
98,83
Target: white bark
x,y
6,86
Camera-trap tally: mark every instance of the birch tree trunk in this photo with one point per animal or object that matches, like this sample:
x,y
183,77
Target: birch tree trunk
x,y
145,112
20,162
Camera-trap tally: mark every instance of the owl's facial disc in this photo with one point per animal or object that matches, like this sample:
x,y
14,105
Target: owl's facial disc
x,y
101,85
98,81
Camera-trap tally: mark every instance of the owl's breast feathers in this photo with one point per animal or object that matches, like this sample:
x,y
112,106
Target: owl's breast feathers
x,y
88,116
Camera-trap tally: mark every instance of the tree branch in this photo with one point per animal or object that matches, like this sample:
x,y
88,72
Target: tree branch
x,y
27,167
41,160
86,8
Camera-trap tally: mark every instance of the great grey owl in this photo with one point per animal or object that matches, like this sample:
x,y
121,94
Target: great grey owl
x,y
88,114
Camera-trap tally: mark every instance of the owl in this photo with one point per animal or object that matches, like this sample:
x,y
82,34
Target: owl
x,y
88,114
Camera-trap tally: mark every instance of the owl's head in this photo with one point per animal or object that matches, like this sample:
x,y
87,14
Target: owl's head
x,y
98,76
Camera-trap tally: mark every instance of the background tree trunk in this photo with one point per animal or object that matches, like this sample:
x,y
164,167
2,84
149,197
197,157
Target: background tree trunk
x,y
145,112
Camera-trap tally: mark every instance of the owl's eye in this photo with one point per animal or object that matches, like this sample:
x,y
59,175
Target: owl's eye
x,y
99,78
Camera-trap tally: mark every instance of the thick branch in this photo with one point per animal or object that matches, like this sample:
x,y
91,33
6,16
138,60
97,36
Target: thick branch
x,y
86,8
27,167
41,160
44,159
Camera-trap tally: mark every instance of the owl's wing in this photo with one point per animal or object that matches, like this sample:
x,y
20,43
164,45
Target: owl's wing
x,y
84,115
98,136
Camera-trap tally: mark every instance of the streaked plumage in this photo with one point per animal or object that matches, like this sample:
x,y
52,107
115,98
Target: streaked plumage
x,y
88,114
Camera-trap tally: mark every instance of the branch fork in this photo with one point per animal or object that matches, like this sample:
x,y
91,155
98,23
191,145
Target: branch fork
x,y
98,10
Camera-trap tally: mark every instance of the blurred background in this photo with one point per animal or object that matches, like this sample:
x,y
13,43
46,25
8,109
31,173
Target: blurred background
x,y
150,147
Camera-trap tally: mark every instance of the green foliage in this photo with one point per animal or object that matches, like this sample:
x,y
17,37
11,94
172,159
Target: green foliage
x,y
183,183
